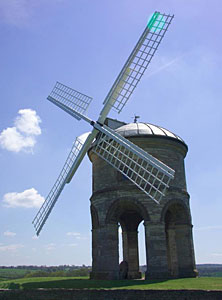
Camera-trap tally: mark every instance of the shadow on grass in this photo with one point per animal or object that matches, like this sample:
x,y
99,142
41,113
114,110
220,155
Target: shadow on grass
x,y
87,284
13,286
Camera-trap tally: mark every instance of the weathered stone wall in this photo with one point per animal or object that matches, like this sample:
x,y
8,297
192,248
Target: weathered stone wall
x,y
168,226
61,294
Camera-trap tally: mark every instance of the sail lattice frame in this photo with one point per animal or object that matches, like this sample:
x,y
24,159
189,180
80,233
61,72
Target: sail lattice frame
x,y
138,61
70,98
57,188
146,172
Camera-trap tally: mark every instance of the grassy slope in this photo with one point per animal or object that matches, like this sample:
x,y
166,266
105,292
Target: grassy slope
x,y
204,283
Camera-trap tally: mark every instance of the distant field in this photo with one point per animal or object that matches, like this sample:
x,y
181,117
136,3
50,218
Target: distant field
x,y
12,273
204,283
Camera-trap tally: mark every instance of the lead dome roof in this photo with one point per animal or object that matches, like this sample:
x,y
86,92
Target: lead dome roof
x,y
141,129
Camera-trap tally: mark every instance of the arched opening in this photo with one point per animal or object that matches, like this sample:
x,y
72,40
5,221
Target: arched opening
x,y
141,247
128,215
178,240
129,221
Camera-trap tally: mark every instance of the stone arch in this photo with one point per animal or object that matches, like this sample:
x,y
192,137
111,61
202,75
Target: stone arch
x,y
122,204
178,231
175,202
129,213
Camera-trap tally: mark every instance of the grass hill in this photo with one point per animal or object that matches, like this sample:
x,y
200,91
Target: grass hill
x,y
29,277
204,283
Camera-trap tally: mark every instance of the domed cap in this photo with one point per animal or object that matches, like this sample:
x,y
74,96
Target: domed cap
x,y
142,129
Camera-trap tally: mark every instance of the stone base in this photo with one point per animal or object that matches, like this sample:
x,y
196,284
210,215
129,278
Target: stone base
x,y
166,275
156,275
134,275
188,273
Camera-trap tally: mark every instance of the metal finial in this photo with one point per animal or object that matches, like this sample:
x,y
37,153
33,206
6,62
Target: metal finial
x,y
136,118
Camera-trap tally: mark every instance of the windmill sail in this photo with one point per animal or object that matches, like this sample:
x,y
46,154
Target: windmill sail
x,y
71,111
148,173
138,61
75,156
68,97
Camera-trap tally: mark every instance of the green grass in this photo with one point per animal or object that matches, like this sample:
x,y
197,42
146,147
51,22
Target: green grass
x,y
203,283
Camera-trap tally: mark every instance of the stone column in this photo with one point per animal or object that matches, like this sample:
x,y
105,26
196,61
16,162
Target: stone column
x,y
186,261
131,253
156,250
172,254
105,253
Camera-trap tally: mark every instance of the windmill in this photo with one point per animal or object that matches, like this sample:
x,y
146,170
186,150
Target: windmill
x,y
146,172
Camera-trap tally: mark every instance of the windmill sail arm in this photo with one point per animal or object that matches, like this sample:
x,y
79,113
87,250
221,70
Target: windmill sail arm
x,y
70,98
75,157
137,63
146,172
81,155
70,110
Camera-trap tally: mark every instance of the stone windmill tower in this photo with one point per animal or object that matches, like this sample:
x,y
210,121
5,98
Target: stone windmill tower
x,y
115,200
150,163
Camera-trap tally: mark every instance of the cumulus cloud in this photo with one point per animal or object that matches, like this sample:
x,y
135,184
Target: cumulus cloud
x,y
28,122
28,199
22,136
9,233
12,247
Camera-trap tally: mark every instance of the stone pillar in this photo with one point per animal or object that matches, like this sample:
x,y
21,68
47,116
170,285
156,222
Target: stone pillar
x,y
186,261
131,253
156,251
105,254
172,255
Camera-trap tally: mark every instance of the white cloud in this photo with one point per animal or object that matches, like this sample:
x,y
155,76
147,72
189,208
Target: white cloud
x,y
22,136
12,140
12,247
28,122
9,233
28,199
76,234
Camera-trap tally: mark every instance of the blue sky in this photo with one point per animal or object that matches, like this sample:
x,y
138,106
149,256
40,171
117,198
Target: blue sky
x,y
84,44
